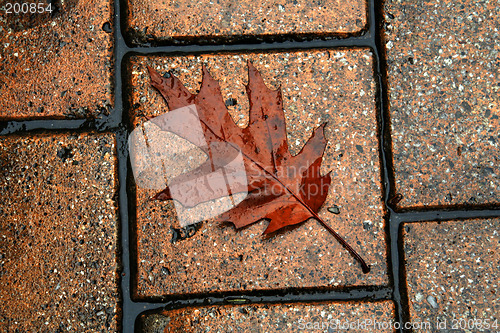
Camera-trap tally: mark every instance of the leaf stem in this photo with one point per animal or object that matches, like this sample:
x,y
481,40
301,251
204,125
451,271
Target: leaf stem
x,y
353,252
364,266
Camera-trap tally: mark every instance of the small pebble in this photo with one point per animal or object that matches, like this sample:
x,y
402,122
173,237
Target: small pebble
x,y
334,209
432,301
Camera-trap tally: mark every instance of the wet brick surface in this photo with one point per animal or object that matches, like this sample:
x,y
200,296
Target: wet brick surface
x,y
59,221
443,73
296,317
174,21
318,86
57,65
452,273
58,236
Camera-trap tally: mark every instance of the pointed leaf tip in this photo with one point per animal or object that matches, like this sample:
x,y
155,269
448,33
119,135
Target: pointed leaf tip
x,y
163,195
322,127
255,78
207,79
206,73
253,73
154,75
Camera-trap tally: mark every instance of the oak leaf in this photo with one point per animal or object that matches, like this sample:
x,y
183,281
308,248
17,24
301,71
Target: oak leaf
x,y
284,189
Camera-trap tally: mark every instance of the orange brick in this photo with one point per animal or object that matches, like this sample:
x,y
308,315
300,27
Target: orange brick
x,y
452,274
57,65
318,86
182,21
58,233
288,317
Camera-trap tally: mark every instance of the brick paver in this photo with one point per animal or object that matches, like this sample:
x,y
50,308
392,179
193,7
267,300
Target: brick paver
x,y
58,236
318,86
452,274
443,75
185,21
56,65
288,317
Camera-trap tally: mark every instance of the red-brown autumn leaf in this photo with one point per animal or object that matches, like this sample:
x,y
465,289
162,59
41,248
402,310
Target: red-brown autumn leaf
x,y
282,188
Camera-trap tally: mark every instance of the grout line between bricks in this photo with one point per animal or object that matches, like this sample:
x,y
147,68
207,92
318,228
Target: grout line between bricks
x,y
130,310
365,293
378,294
365,40
395,265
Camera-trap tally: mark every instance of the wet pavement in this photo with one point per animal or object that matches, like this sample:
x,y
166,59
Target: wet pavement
x,y
289,317
409,92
